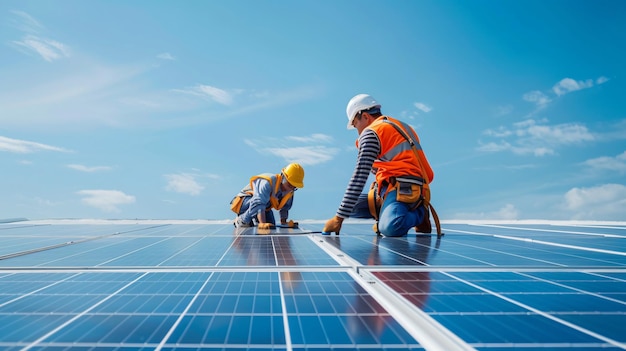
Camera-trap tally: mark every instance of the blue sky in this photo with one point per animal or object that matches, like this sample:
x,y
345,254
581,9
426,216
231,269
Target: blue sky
x,y
164,109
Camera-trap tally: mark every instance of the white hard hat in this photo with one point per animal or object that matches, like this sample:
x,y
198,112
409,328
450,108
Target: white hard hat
x,y
357,104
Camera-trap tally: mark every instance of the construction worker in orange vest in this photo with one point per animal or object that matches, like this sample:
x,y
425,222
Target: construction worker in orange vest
x,y
267,191
391,150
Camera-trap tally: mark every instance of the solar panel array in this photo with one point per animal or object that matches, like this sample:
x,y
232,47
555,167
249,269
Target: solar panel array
x,y
207,286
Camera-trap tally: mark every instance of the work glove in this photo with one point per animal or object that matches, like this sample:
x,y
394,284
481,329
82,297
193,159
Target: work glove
x,y
332,225
289,224
265,226
239,223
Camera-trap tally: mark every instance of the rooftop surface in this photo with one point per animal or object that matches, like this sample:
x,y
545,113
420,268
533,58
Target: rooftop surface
x,y
201,285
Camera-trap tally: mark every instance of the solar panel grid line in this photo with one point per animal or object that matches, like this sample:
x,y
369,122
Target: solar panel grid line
x,y
77,316
483,262
582,273
177,269
274,251
22,253
51,247
181,316
513,255
182,250
543,242
131,252
576,289
338,255
29,293
543,314
285,316
550,230
540,242
428,332
494,269
582,346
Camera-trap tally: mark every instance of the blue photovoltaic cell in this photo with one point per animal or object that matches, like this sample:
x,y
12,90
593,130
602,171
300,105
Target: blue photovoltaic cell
x,y
207,286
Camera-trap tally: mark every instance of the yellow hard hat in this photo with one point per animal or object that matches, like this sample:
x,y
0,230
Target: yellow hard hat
x,y
294,174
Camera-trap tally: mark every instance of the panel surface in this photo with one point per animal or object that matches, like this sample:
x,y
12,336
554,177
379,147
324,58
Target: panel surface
x,y
207,286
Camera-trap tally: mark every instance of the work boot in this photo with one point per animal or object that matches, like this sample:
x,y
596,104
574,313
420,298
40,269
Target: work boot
x,y
375,229
425,226
239,223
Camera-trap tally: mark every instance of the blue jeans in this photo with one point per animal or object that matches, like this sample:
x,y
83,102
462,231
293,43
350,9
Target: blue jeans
x,y
269,214
396,218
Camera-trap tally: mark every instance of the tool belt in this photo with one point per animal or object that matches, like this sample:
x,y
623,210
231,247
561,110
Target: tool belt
x,y
235,204
410,190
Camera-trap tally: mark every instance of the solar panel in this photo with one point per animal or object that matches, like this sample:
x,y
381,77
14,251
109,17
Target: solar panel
x,y
202,285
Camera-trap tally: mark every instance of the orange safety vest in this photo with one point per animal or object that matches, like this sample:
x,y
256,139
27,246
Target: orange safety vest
x,y
400,158
396,157
275,182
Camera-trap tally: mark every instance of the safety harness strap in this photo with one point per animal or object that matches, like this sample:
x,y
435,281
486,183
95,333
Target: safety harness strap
x,y
273,200
373,202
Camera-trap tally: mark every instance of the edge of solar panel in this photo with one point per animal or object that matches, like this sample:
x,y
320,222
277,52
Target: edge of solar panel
x,y
82,284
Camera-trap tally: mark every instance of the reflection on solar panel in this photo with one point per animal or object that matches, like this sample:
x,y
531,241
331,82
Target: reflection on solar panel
x,y
205,286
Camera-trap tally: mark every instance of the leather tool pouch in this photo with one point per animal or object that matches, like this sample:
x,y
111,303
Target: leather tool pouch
x,y
409,191
235,204
374,202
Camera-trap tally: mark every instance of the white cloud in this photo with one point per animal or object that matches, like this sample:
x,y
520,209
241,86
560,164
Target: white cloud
x,y
617,163
423,107
564,86
495,147
607,201
304,155
324,138
567,133
291,148
25,147
534,137
500,111
48,49
508,211
25,22
567,85
106,200
537,97
184,183
166,56
206,91
602,80
501,132
83,95
83,168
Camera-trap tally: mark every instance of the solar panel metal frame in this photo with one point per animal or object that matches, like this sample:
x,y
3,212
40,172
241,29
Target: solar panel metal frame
x,y
200,285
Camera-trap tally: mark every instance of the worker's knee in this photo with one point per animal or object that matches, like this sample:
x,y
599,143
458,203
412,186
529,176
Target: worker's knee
x,y
392,227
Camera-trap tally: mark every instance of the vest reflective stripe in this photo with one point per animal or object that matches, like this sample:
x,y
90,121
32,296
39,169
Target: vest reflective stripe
x,y
395,151
275,181
396,156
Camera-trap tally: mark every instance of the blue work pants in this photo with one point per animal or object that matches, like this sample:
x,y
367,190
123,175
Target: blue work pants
x,y
269,214
397,218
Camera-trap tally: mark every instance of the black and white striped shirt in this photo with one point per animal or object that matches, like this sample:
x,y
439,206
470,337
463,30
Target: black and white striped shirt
x,y
369,148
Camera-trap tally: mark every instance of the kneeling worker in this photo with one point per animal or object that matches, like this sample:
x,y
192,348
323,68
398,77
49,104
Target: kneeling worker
x,y
267,191
391,150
